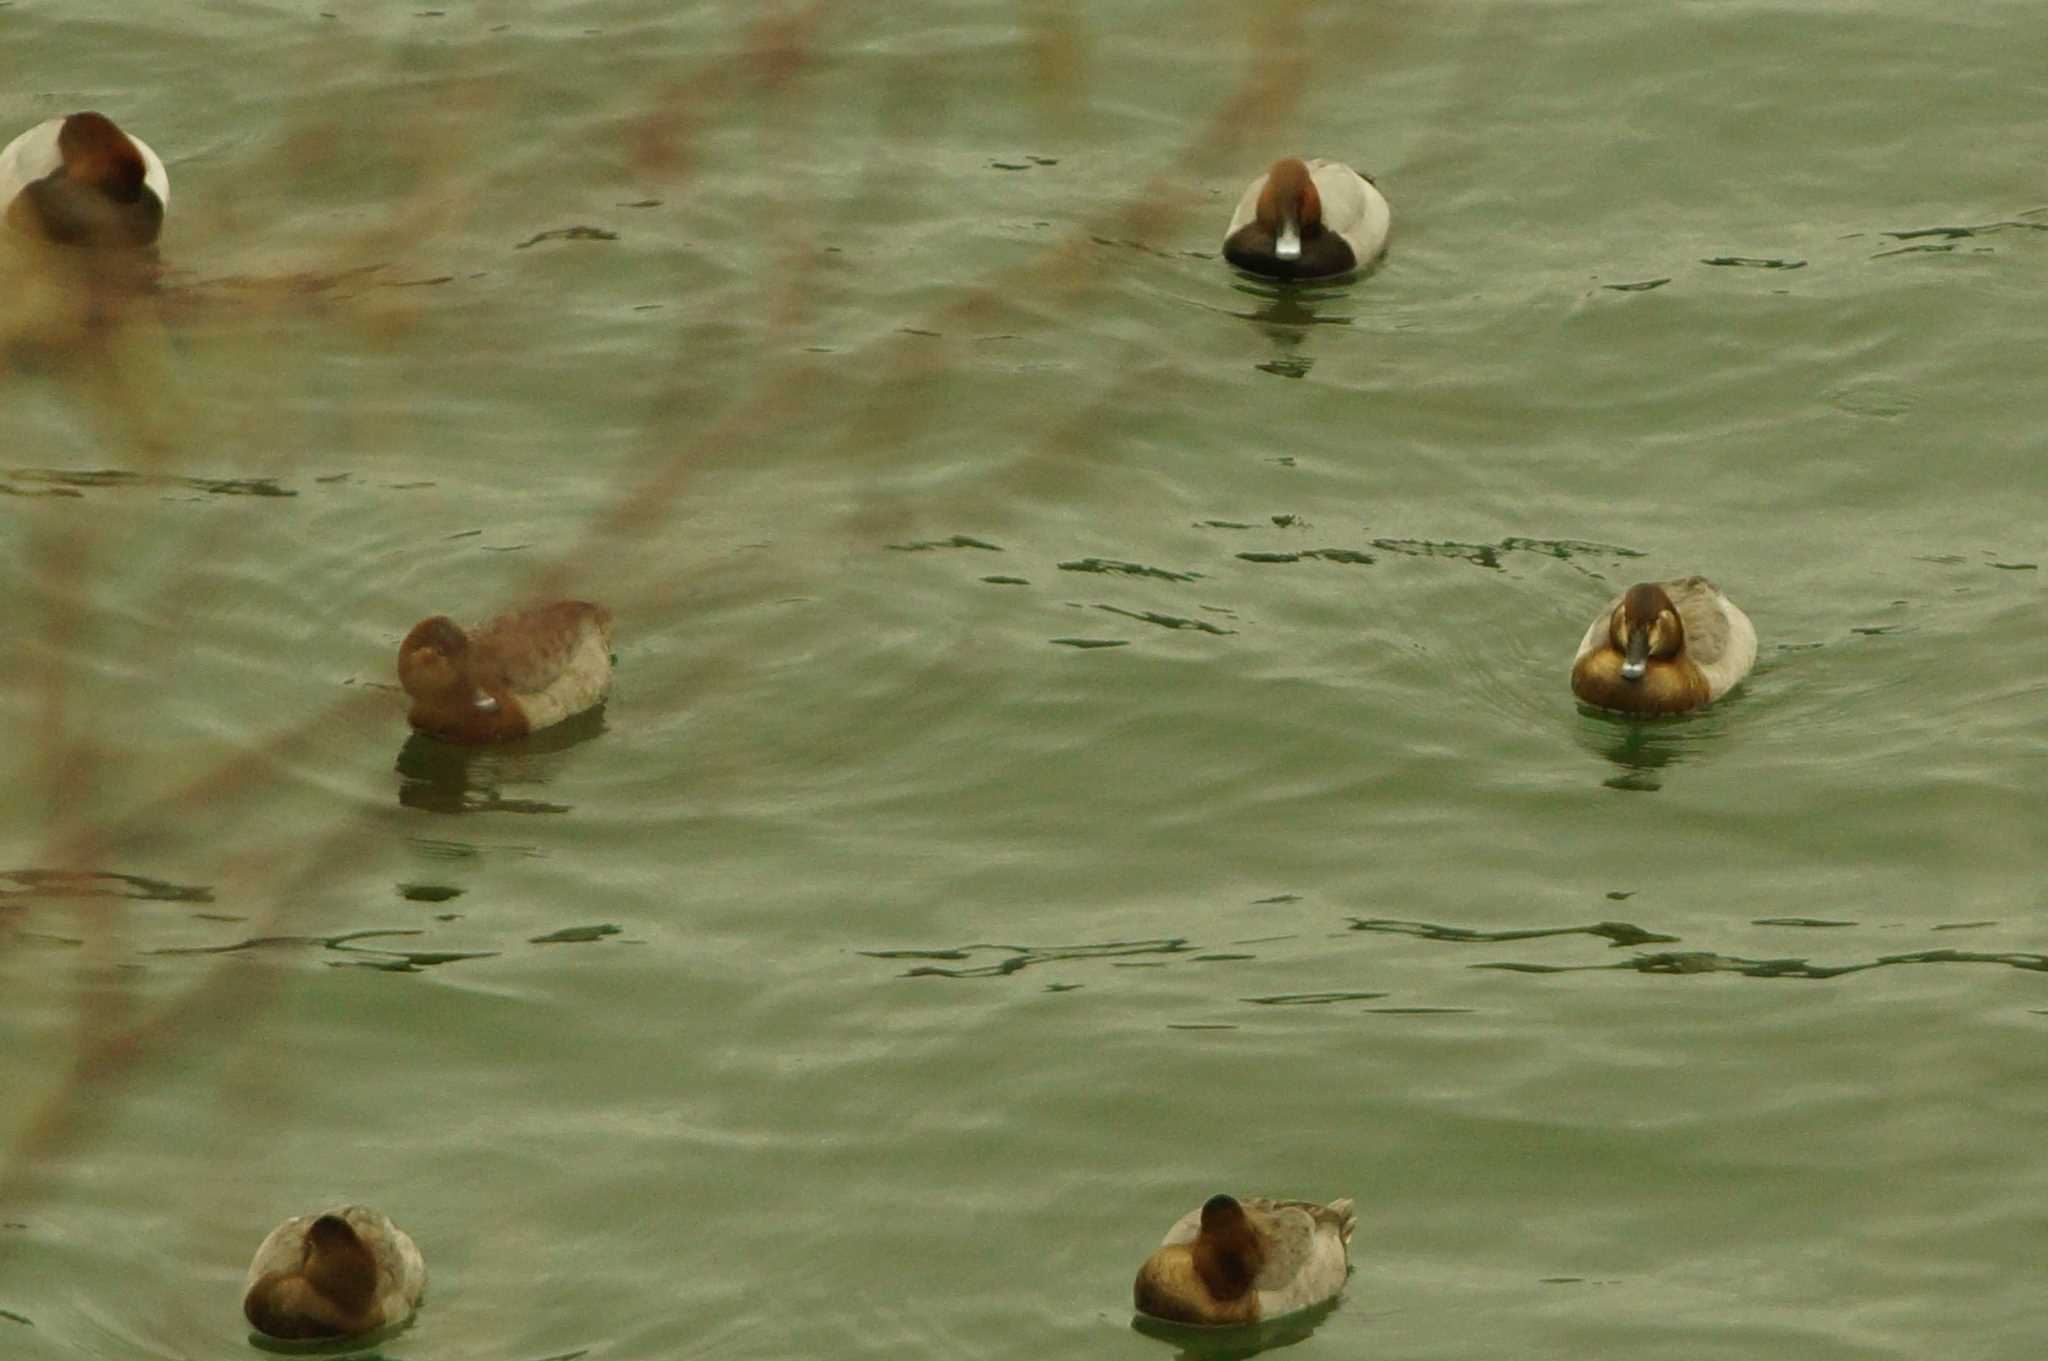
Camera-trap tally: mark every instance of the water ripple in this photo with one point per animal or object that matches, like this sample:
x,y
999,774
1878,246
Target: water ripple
x,y
1016,958
38,883
1699,961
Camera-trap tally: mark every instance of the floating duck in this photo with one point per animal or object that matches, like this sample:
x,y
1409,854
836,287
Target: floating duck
x,y
81,181
1664,647
519,673
1306,219
1240,1261
339,1274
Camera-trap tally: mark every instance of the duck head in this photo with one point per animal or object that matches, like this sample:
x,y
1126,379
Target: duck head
x,y
98,153
1644,626
98,196
1209,1279
1643,667
333,1293
436,669
1289,207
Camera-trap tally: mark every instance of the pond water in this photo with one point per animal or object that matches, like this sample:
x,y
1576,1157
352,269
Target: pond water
x,y
1091,728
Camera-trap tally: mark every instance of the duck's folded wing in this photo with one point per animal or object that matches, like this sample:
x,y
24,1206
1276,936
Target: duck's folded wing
x,y
528,650
1704,612
1289,1231
399,1264
1347,204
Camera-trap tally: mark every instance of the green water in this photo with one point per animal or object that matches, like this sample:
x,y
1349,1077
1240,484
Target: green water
x,y
953,960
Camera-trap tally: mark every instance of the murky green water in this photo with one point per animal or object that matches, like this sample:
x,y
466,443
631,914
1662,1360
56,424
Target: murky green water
x,y
884,970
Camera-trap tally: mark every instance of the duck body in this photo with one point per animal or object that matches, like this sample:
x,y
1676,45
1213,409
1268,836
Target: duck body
x,y
340,1273
1664,647
520,672
1306,220
1234,1261
81,181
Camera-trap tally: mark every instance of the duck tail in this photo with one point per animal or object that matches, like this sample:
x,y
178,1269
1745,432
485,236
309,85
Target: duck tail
x,y
1346,1220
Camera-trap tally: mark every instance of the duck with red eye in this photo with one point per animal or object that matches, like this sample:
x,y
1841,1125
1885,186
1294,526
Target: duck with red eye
x,y
520,672
1307,220
1664,648
343,1273
1242,1261
81,181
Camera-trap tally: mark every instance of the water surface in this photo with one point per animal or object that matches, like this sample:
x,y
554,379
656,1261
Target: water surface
x,y
1091,728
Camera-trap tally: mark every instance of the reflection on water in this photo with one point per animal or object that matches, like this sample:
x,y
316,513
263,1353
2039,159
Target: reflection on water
x,y
327,1346
1233,1343
66,303
1285,313
1698,961
49,883
1641,747
1015,958
387,958
442,777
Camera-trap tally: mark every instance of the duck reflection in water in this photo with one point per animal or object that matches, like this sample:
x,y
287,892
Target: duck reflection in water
x,y
1235,1344
441,777
1641,749
1286,312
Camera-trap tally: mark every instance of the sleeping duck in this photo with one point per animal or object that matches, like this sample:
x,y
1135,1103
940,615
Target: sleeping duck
x,y
339,1274
1240,1261
81,181
1664,647
519,673
1306,219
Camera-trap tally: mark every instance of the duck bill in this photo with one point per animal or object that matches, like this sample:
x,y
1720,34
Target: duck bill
x,y
1636,660
1287,245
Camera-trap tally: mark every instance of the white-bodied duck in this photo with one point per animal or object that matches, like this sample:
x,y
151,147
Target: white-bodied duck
x,y
1307,219
341,1273
81,181
519,673
1664,647
1238,1261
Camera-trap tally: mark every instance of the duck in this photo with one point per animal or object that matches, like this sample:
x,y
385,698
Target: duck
x,y
520,672
1234,1261
340,1273
80,180
1664,647
1306,220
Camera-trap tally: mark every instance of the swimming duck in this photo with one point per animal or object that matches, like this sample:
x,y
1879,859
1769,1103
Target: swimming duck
x,y
1664,647
1305,219
1240,1261
81,181
517,674
338,1274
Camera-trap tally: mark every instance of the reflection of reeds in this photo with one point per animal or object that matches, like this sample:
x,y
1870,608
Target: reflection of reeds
x,y
98,328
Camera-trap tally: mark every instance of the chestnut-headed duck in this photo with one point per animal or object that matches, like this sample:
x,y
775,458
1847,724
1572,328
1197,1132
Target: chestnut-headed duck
x,y
1307,219
1239,1261
343,1273
519,673
1664,647
81,181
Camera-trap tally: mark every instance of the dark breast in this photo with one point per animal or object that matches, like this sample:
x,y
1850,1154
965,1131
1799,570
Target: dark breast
x,y
70,213
1250,248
